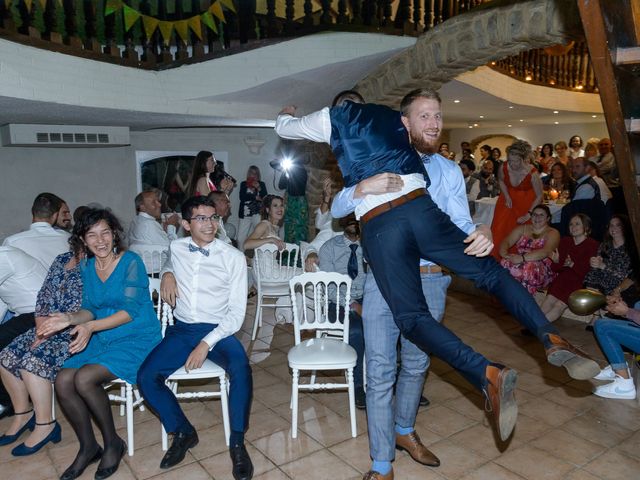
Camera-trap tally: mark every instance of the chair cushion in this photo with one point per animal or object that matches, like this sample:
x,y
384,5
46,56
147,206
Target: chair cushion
x,y
322,353
208,370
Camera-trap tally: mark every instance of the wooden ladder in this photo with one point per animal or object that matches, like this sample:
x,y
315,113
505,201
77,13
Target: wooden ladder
x,y
612,30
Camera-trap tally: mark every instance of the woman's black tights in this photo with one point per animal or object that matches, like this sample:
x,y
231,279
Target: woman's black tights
x,y
81,396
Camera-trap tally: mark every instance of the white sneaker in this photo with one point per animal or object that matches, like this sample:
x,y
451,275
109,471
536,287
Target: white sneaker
x,y
620,388
606,373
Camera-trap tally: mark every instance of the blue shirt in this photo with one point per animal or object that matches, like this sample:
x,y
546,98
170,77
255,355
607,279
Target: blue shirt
x,y
447,190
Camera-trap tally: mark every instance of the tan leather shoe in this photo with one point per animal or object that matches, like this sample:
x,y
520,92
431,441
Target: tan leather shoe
x,y
413,446
373,475
578,364
501,383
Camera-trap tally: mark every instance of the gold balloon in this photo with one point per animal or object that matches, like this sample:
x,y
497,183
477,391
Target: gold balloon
x,y
586,301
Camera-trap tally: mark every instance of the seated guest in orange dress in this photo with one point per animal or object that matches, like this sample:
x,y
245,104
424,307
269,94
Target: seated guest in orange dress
x,y
534,244
546,159
571,263
521,190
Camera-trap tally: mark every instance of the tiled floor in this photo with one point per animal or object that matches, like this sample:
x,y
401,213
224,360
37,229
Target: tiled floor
x,y
563,431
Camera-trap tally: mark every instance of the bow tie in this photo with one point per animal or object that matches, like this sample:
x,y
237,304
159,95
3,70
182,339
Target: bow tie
x,y
203,251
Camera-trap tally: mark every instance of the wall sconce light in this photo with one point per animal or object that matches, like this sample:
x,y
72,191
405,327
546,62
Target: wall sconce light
x,y
254,144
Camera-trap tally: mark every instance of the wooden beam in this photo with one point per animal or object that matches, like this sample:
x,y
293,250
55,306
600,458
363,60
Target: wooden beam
x,y
596,34
635,15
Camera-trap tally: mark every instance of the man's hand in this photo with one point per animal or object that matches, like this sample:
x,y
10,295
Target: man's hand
x,y
378,184
311,262
172,220
197,357
288,110
169,289
480,242
356,307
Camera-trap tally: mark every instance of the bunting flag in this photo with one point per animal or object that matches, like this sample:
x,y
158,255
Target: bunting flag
x,y
196,26
165,29
28,3
216,9
182,27
208,20
150,25
111,6
43,4
228,4
131,16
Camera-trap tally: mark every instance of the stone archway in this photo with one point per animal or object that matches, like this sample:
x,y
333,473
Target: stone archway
x,y
492,32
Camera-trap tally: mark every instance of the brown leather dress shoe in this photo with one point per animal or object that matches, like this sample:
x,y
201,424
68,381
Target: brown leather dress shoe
x,y
413,446
577,363
373,475
501,383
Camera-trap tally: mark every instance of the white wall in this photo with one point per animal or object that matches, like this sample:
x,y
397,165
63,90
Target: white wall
x,y
108,175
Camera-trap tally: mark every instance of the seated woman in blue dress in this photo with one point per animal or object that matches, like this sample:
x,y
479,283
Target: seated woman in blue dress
x,y
30,364
112,334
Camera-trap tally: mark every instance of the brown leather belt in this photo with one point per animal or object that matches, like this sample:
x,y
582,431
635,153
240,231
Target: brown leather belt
x,y
430,269
396,202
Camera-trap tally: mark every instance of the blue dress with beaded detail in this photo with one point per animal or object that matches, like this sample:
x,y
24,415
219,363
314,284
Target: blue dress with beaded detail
x,y
121,349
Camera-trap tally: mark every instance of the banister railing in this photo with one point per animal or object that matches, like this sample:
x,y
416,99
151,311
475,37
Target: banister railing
x,y
562,66
157,34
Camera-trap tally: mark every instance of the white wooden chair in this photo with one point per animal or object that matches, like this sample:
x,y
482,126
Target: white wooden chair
x,y
153,257
272,270
209,370
129,397
325,352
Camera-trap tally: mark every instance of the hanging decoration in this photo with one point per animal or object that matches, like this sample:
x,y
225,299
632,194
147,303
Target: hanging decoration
x,y
132,15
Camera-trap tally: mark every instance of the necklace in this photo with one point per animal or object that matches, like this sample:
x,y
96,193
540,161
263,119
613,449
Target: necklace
x,y
109,262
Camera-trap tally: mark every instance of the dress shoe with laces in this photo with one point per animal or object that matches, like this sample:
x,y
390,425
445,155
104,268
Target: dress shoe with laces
x,y
501,383
30,425
578,364
106,472
73,473
54,436
373,475
413,446
178,449
242,466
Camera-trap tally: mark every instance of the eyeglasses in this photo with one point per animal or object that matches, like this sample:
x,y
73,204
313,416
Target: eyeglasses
x,y
203,219
538,215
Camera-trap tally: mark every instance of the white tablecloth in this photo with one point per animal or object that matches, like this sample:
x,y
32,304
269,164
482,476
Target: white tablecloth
x,y
484,210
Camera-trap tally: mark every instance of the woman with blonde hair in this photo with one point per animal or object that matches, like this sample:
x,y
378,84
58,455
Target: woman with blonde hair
x,y
521,191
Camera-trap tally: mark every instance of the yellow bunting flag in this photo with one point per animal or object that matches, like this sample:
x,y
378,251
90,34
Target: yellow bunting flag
x,y
28,4
130,17
208,20
112,6
196,26
182,27
7,3
216,9
165,29
228,4
150,25
43,4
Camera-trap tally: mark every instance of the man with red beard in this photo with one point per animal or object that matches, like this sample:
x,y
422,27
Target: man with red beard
x,y
404,224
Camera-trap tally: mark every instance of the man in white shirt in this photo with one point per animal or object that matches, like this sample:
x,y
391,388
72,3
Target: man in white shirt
x,y
472,184
21,277
206,280
222,205
145,228
594,171
146,236
64,218
42,241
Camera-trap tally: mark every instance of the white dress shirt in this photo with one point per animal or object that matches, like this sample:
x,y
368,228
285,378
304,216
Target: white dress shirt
x,y
447,190
41,241
146,230
317,127
21,277
605,193
211,289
